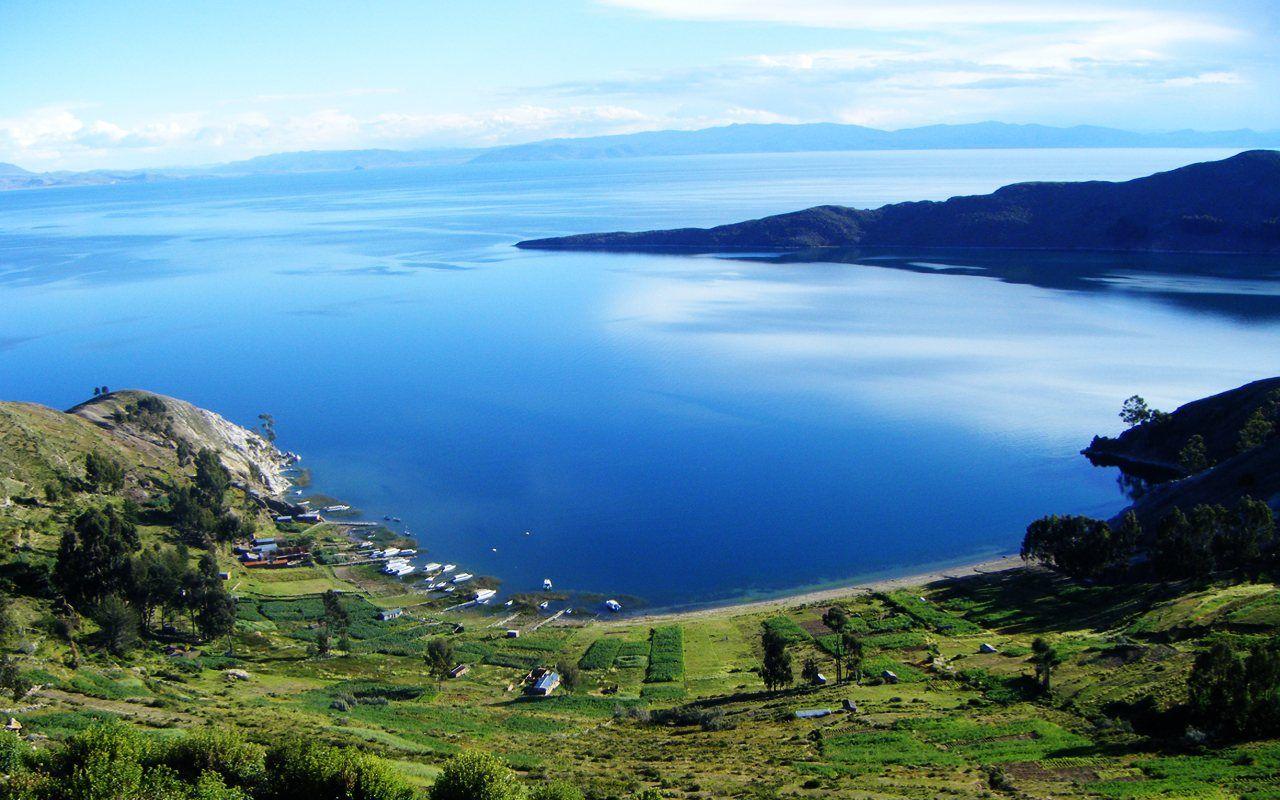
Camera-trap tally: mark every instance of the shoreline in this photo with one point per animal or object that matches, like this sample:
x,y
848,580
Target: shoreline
x,y
982,567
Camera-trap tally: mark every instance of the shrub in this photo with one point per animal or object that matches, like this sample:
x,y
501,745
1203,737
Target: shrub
x,y
303,770
473,775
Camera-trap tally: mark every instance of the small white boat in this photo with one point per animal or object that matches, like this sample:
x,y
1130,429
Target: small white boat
x,y
407,569
543,605
448,567
450,589
391,551
546,583
485,595
408,552
509,603
613,605
462,577
434,566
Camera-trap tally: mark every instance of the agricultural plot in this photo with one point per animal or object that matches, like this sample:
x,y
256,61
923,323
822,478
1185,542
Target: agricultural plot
x,y
666,655
601,653
787,628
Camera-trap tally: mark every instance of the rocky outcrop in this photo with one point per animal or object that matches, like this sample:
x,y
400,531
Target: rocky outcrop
x,y
155,421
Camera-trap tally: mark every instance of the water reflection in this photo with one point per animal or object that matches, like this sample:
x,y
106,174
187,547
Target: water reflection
x,y
1245,288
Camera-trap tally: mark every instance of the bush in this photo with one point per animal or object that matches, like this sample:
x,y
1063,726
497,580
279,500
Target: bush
x,y
474,775
303,770
556,790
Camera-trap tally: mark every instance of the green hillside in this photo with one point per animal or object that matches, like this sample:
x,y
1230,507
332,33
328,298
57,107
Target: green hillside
x,y
948,698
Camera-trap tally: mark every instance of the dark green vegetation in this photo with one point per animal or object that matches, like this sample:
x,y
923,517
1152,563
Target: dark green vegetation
x,y
1018,683
1228,205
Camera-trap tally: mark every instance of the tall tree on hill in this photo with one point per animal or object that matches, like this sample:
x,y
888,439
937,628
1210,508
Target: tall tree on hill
x,y
1257,430
103,473
775,669
439,657
1194,456
118,625
854,655
1045,658
336,618
215,610
837,620
1135,411
94,556
1182,550
212,479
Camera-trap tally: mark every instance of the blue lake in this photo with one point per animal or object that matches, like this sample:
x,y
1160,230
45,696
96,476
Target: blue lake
x,y
681,430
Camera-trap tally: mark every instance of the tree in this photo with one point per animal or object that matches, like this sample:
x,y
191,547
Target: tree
x,y
94,556
1233,692
1194,456
102,473
570,675
439,656
12,680
119,625
268,425
837,620
809,671
1078,546
1245,534
215,610
1257,429
336,617
775,669
854,654
1046,658
1135,411
212,479
1128,536
473,775
1182,549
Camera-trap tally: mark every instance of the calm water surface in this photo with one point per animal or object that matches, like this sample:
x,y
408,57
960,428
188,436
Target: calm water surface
x,y
677,429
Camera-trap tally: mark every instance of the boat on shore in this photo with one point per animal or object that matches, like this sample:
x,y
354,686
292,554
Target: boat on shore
x,y
613,605
485,595
462,577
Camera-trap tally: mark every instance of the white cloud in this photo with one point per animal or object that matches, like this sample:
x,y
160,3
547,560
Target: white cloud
x,y
879,14
60,138
1206,79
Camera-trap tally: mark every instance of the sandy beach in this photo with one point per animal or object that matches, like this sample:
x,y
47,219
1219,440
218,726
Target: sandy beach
x,y
984,567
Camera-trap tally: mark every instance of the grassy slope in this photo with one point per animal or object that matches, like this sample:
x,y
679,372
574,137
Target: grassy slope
x,y
931,735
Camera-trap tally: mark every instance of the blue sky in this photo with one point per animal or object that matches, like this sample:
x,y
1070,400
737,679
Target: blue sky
x,y
134,84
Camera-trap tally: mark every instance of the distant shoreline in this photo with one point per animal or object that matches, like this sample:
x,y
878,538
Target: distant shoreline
x,y
982,567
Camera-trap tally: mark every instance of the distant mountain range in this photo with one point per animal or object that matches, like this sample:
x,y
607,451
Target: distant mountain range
x,y
813,137
1232,205
824,136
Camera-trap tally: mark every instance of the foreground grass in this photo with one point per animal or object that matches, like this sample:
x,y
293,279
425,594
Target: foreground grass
x,y
958,722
